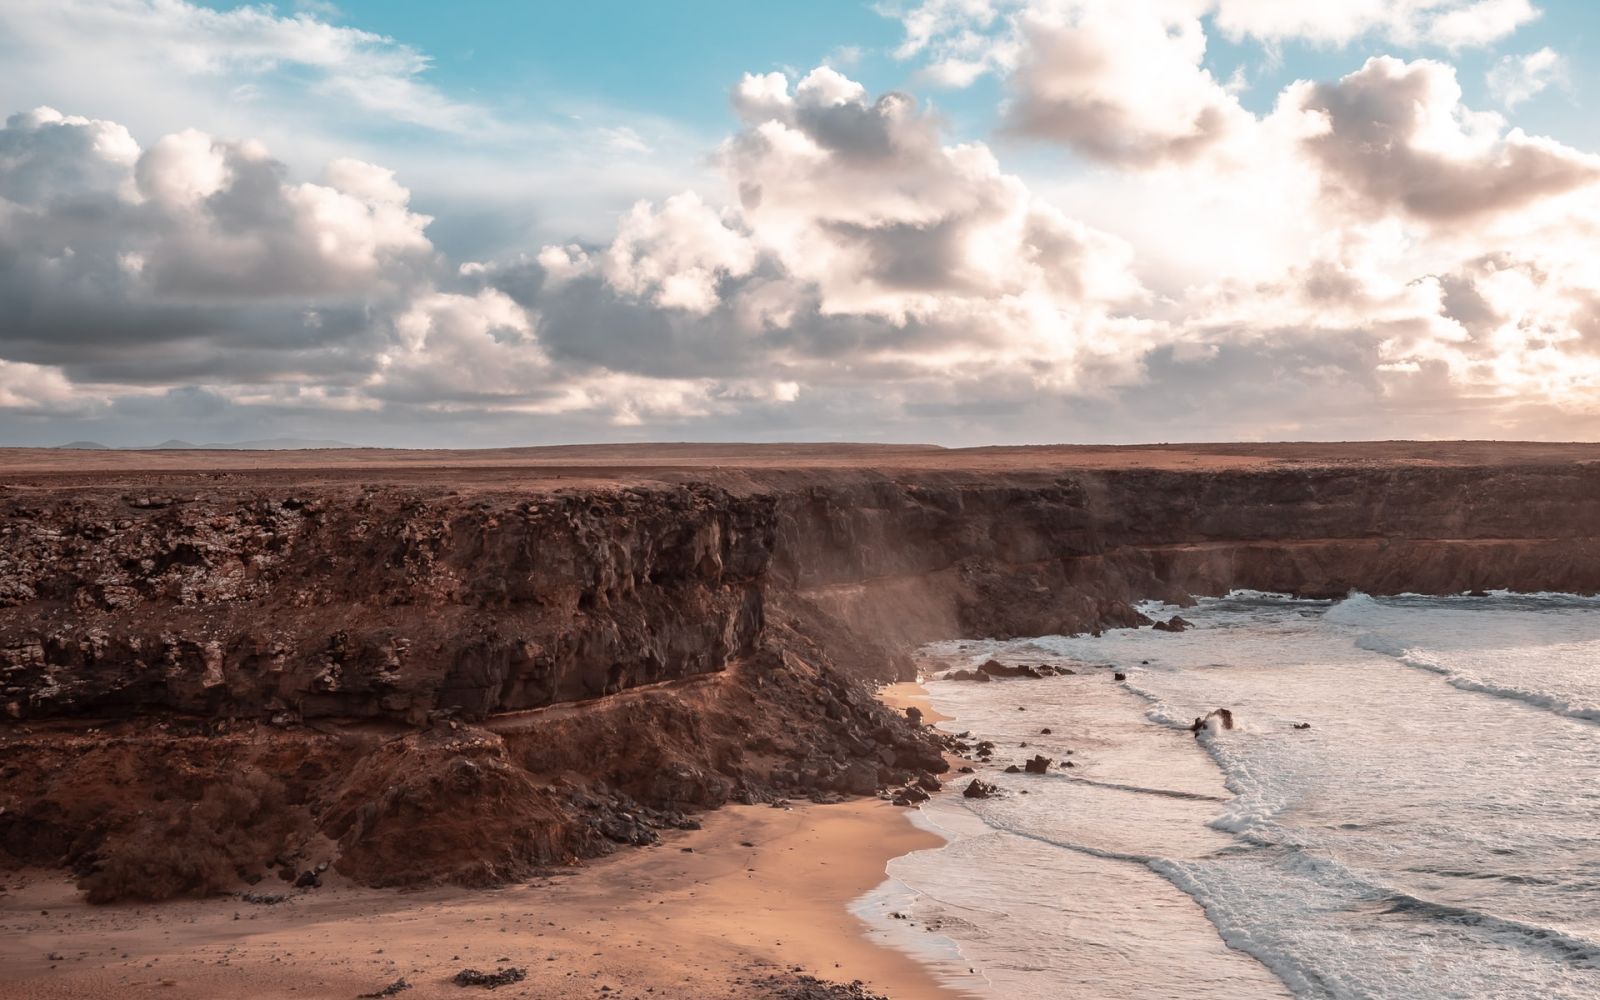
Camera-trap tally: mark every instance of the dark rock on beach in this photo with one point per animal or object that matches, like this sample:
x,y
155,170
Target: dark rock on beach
x,y
802,987
504,977
980,789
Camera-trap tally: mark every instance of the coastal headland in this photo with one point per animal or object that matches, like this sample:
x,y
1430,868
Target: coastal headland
x,y
509,692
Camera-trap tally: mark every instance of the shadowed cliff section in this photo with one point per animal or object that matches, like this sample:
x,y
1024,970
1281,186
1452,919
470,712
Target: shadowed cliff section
x,y
461,666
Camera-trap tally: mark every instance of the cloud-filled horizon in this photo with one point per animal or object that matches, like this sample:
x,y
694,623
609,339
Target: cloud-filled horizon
x,y
953,221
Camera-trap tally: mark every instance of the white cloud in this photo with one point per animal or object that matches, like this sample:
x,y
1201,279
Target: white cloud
x,y
961,40
1121,82
854,220
1449,23
1395,136
1514,80
362,70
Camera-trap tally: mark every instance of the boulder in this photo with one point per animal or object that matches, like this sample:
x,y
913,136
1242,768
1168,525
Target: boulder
x,y
994,668
860,778
980,789
1174,624
1038,765
968,675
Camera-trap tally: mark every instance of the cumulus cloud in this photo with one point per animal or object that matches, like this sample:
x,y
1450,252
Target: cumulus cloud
x,y
858,239
1120,82
1395,137
195,256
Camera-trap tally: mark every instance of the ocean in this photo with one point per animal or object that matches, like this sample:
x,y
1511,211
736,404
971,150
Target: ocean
x,y
1435,832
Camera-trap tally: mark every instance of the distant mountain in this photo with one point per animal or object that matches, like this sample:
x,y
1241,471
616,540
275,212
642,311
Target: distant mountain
x,y
84,446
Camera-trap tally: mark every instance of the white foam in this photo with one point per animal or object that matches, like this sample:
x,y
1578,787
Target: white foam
x,y
1430,834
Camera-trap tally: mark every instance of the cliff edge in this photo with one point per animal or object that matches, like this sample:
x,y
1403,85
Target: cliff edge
x,y
461,666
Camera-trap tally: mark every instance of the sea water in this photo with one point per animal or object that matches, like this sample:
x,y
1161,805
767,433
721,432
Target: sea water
x,y
1435,832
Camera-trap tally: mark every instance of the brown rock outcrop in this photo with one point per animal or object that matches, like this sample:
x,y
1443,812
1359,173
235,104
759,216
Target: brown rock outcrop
x,y
462,675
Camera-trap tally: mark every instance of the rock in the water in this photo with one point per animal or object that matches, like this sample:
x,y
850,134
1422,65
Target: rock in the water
x,y
1174,624
1045,731
911,794
994,668
1223,716
968,675
1119,676
980,789
1013,769
1302,725
1038,765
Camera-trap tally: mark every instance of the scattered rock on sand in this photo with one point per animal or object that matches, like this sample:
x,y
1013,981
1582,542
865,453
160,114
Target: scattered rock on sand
x,y
398,986
472,977
802,987
914,714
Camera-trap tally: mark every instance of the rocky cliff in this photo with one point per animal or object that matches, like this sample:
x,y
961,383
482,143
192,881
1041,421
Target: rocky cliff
x,y
460,677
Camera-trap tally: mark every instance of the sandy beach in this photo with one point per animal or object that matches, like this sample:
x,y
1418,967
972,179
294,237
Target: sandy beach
x,y
703,915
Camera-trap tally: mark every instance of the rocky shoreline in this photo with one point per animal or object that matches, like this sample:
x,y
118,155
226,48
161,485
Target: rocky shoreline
x,y
213,678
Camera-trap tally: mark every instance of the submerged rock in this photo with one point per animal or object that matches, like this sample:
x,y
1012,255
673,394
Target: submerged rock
x,y
1223,716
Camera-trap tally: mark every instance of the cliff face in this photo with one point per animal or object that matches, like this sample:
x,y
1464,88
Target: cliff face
x,y
462,683
389,603
370,603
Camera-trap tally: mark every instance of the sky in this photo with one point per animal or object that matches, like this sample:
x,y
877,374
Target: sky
x,y
389,222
